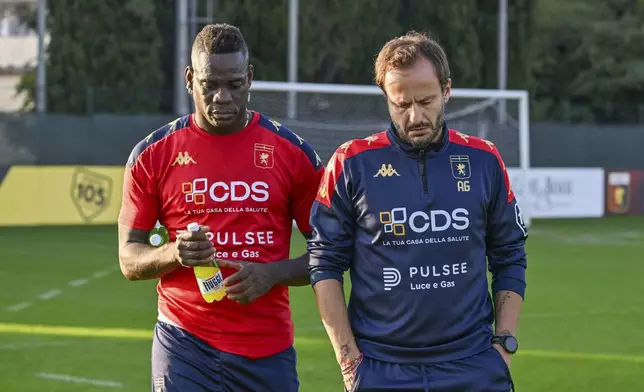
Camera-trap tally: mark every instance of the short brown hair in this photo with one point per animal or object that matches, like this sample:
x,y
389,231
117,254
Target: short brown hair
x,y
403,51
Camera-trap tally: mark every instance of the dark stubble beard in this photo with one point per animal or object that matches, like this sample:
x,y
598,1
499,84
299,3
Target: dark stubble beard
x,y
433,137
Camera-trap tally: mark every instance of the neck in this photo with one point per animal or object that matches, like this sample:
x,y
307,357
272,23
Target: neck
x,y
240,123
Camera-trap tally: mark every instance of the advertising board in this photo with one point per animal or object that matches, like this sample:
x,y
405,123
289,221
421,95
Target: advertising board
x,y
60,195
91,195
560,192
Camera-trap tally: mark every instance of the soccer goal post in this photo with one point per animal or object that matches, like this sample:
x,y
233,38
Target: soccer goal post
x,y
329,114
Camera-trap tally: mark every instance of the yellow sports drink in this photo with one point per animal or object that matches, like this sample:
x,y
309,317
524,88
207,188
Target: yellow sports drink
x,y
209,278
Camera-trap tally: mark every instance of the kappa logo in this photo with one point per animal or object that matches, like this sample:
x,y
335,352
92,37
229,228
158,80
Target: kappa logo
x,y
345,146
183,159
298,137
276,124
463,136
371,139
489,144
387,171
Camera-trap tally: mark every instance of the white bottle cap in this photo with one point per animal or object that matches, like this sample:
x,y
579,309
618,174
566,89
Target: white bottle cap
x,y
194,226
155,240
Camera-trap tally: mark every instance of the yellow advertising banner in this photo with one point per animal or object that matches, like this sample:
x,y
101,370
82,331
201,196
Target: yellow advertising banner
x,y
60,195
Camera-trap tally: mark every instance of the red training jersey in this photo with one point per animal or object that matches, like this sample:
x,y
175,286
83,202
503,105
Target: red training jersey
x,y
248,188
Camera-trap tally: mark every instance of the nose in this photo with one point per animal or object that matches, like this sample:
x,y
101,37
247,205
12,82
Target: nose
x,y
222,96
415,114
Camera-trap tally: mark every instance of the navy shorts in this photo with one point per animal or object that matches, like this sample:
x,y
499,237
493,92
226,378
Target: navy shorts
x,y
183,363
483,372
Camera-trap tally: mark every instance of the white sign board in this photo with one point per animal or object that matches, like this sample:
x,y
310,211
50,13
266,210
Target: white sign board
x,y
560,192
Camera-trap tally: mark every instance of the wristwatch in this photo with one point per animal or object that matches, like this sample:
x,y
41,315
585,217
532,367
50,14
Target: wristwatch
x,y
508,342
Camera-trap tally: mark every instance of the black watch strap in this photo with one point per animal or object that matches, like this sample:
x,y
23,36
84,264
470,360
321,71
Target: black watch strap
x,y
508,342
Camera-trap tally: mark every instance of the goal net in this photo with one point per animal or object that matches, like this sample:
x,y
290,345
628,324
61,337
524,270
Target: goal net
x,y
327,115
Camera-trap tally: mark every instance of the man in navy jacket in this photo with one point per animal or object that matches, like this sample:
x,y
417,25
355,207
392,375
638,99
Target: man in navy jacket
x,y
418,214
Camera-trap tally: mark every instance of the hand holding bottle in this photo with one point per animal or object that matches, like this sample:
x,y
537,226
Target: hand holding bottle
x,y
193,248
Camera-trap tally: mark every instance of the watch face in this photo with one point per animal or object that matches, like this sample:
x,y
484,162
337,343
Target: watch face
x,y
511,344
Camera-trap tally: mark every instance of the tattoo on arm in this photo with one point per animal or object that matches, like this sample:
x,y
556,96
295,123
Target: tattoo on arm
x,y
502,297
344,351
507,306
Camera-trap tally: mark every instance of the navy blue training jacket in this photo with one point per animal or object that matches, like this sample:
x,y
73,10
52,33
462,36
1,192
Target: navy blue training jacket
x,y
418,230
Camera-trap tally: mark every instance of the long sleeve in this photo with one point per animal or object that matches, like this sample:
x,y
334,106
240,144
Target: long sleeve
x,y
506,235
331,244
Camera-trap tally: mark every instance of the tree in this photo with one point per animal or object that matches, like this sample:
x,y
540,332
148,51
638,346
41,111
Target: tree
x,y
337,38
103,56
453,24
264,25
590,66
340,39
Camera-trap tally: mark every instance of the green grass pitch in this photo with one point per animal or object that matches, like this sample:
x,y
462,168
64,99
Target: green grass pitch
x,y
70,322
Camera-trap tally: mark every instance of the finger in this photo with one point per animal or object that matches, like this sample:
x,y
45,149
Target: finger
x,y
243,297
205,262
197,262
194,236
236,264
194,245
239,287
239,275
253,297
196,254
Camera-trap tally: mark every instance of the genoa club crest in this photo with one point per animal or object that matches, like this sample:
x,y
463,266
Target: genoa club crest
x,y
264,156
619,192
619,200
460,166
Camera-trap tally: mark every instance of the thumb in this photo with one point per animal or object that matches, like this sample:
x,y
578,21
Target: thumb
x,y
230,264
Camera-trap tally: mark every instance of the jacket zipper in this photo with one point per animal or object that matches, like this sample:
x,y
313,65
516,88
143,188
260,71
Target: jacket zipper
x,y
423,171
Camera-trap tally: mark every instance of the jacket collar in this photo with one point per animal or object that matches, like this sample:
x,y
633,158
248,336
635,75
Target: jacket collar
x,y
416,151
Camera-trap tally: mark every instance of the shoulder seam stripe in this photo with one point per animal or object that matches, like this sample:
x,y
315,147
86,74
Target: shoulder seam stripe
x,y
169,129
347,150
296,140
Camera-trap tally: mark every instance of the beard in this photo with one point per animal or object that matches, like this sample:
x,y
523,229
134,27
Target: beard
x,y
434,131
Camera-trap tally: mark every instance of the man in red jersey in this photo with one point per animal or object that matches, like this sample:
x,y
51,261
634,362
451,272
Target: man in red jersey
x,y
244,178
